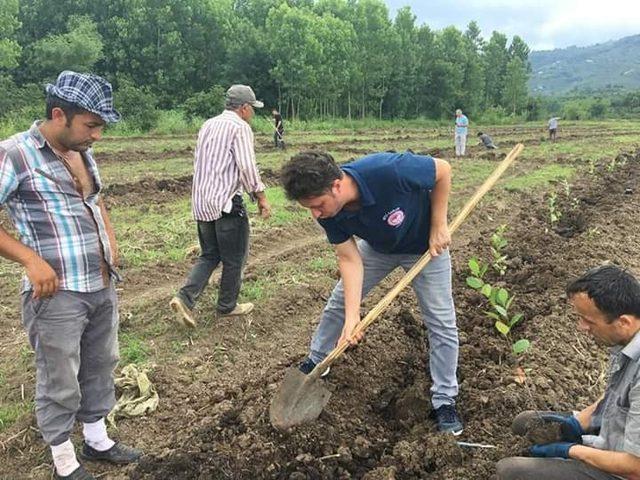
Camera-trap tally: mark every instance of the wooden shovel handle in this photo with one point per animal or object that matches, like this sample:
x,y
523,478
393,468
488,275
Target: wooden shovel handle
x,y
420,264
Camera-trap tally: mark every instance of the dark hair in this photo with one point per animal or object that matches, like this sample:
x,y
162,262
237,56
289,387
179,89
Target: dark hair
x,y
479,133
613,290
70,109
309,174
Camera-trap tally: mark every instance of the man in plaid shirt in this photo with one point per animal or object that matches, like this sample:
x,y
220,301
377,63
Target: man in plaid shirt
x,y
50,186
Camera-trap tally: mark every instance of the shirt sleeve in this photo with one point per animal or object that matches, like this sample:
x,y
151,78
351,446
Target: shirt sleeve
x,y
246,161
335,234
416,172
8,177
632,427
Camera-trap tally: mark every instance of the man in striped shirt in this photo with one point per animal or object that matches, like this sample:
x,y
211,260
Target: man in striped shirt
x,y
225,165
50,186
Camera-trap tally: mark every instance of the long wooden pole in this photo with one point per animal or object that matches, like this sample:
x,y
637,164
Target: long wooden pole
x,y
420,264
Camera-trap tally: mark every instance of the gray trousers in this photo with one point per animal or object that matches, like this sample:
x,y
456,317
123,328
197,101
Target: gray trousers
x,y
461,143
75,339
433,289
224,240
525,468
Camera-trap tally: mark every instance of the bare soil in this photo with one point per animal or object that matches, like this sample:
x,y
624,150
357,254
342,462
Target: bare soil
x,y
213,420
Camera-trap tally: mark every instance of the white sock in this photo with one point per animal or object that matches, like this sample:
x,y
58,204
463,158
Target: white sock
x,y
64,458
95,434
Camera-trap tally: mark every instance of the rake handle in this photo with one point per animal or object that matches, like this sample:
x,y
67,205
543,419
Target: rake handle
x,y
382,305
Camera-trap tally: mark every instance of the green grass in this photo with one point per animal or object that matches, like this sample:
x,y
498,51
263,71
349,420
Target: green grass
x,y
539,177
283,211
129,172
11,412
132,349
154,233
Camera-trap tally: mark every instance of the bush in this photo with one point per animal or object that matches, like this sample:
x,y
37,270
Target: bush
x,y
137,106
205,104
172,122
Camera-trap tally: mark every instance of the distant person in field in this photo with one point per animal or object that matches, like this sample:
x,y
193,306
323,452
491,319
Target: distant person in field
x,y
460,138
278,126
486,141
382,212
225,165
50,186
553,128
601,441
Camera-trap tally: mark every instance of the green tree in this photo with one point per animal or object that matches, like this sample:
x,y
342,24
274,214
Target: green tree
x,y
473,84
515,87
496,59
78,49
9,24
405,65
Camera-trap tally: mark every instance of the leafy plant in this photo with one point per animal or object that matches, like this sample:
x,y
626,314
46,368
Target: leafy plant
x,y
521,346
500,302
554,211
498,244
478,269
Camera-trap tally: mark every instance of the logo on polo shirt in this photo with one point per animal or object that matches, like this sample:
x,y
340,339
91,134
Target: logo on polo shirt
x,y
395,217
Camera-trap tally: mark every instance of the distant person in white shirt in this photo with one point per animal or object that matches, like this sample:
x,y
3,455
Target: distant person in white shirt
x,y
553,128
460,138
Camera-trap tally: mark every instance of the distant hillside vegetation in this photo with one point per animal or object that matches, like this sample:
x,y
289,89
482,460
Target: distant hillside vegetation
x,y
614,64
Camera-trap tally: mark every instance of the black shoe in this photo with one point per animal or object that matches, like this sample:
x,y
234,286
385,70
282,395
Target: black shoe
x,y
448,420
308,365
119,454
78,474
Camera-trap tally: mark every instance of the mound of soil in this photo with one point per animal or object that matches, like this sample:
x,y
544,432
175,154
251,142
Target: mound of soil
x,y
377,424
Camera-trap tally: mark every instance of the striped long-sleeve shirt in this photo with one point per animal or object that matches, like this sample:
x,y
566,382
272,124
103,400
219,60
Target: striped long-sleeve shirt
x,y
225,163
50,215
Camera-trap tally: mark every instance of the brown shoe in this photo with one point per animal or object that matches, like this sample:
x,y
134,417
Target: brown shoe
x,y
241,309
183,314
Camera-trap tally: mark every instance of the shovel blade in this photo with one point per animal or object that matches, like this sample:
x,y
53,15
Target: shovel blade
x,y
299,400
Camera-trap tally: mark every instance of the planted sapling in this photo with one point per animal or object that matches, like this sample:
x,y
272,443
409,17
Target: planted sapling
x,y
554,211
500,302
478,269
498,244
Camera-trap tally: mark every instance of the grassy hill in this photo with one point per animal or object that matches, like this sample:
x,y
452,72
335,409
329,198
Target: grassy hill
x,y
614,64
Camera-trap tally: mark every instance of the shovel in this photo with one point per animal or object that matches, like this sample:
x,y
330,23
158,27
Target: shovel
x,y
301,398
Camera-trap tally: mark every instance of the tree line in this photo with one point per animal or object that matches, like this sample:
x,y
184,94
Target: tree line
x,y
310,58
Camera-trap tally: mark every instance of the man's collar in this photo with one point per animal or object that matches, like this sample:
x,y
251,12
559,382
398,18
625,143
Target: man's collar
x,y
632,349
36,135
365,197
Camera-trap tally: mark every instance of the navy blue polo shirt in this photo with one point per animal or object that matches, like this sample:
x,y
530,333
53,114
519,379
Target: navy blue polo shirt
x,y
395,205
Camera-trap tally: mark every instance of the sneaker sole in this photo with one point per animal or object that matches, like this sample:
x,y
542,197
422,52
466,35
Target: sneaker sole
x,y
239,314
182,317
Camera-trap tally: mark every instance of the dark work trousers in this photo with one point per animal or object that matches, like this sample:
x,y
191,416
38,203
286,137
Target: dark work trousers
x,y
278,138
225,241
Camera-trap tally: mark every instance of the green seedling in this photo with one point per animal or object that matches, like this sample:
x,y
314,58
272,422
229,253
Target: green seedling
x,y
498,244
521,346
500,302
478,270
554,211
611,166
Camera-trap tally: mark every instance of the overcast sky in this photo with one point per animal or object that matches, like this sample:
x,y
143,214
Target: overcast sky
x,y
543,24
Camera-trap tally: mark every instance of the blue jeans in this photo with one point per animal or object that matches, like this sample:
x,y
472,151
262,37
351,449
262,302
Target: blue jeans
x,y
433,288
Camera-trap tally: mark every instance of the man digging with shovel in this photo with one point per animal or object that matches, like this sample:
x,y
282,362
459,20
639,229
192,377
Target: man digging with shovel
x,y
396,204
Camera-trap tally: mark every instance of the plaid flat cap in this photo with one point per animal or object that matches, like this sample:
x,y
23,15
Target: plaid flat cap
x,y
88,91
